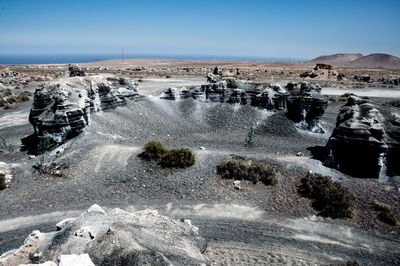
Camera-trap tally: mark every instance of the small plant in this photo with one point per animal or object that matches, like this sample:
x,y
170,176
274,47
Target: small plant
x,y
3,184
250,138
181,157
154,150
385,213
4,146
46,143
330,198
248,170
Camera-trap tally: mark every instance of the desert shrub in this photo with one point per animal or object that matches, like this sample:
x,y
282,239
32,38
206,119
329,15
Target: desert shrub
x,y
248,170
153,150
2,182
385,213
331,199
181,157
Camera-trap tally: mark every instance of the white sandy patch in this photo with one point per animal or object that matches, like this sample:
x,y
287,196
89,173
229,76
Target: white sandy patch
x,y
15,118
320,240
117,154
232,211
307,163
25,221
315,229
154,87
370,92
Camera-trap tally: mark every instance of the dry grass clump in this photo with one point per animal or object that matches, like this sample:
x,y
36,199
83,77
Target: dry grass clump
x,y
181,157
241,169
178,158
330,198
385,213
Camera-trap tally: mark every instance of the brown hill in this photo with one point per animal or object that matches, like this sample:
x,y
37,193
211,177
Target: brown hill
x,y
377,61
337,59
358,60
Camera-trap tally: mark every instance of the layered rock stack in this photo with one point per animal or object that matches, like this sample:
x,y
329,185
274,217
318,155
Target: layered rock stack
x,y
113,238
61,109
366,141
302,102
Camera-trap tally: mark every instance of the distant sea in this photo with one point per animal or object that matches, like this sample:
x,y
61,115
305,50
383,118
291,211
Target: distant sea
x,y
82,58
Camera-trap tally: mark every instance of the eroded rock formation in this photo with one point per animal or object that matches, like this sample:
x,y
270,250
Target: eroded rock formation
x,y
114,238
61,109
366,141
302,102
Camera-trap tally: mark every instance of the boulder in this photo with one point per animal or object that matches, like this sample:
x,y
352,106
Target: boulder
x,y
114,238
365,141
61,109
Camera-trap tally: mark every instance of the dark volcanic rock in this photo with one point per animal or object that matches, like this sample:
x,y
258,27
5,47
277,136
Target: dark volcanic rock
x,y
323,66
115,238
75,71
364,142
302,102
62,108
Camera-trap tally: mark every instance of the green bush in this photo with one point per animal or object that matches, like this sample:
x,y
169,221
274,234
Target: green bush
x,y
248,170
331,199
2,182
181,157
154,150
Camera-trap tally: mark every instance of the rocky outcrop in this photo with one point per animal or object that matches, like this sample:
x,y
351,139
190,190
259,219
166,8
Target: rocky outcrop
x,y
75,71
113,238
323,72
61,109
302,102
366,141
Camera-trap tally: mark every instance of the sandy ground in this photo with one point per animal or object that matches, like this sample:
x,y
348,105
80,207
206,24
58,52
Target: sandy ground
x,y
259,225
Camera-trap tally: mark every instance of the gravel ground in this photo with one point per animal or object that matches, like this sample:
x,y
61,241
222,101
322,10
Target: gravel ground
x,y
258,225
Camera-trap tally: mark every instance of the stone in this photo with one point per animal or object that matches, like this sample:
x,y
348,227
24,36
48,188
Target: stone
x,y
120,238
96,209
75,260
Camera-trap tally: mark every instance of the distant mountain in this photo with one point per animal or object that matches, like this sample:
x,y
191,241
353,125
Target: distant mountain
x,y
337,59
377,60
358,60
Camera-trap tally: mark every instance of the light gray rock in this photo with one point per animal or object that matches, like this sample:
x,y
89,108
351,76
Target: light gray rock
x,y
115,238
96,209
62,108
75,260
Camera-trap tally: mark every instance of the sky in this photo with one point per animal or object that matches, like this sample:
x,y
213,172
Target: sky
x,y
247,28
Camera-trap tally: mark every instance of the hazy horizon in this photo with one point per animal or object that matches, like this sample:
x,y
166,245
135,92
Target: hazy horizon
x,y
234,29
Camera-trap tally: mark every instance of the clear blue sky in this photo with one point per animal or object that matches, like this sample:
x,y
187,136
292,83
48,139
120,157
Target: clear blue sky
x,y
300,29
